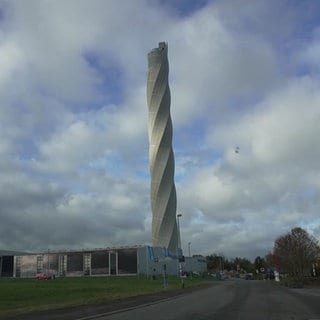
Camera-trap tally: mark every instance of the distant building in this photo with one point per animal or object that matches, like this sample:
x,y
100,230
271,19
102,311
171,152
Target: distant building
x,y
134,260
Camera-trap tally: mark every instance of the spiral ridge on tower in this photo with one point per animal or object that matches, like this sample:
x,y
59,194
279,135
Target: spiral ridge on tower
x,y
161,157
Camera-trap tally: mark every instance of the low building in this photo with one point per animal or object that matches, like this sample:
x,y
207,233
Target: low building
x,y
195,264
133,260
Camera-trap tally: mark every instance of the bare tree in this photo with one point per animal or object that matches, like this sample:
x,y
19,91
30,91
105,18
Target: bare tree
x,y
295,252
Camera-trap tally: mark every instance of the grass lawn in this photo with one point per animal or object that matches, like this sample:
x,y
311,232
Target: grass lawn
x,y
19,296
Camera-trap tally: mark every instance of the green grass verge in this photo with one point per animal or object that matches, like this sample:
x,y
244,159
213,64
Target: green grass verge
x,y
21,296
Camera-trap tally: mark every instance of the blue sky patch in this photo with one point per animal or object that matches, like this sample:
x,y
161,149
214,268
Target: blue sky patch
x,y
185,8
110,75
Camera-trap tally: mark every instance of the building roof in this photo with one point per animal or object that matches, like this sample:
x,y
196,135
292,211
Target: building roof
x,y
12,253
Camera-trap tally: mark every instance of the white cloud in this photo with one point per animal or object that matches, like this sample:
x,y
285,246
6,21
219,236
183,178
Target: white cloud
x,y
71,148
11,59
213,66
274,177
74,122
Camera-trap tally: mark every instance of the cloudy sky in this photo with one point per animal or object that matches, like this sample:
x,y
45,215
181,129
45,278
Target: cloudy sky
x,y
244,75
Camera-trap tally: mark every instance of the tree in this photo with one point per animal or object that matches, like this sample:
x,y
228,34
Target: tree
x,y
295,252
269,261
259,264
216,262
243,264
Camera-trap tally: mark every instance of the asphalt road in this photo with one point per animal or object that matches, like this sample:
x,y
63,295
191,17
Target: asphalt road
x,y
229,300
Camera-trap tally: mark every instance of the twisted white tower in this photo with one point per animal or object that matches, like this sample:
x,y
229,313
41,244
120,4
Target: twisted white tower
x,y
161,158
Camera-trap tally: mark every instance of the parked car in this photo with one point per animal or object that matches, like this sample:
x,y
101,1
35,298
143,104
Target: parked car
x,y
43,276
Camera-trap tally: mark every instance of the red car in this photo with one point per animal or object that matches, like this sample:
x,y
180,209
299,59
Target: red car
x,y
42,276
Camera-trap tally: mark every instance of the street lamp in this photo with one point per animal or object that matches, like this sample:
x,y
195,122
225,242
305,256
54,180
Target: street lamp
x,y
189,250
179,215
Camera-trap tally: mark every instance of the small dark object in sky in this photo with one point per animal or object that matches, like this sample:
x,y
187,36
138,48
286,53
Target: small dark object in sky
x,y
237,150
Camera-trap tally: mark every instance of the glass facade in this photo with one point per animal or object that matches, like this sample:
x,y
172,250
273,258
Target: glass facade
x,y
77,263
74,262
6,265
100,262
127,261
50,263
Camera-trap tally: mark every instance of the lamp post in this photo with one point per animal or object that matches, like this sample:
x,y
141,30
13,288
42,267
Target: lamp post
x,y
179,215
189,249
